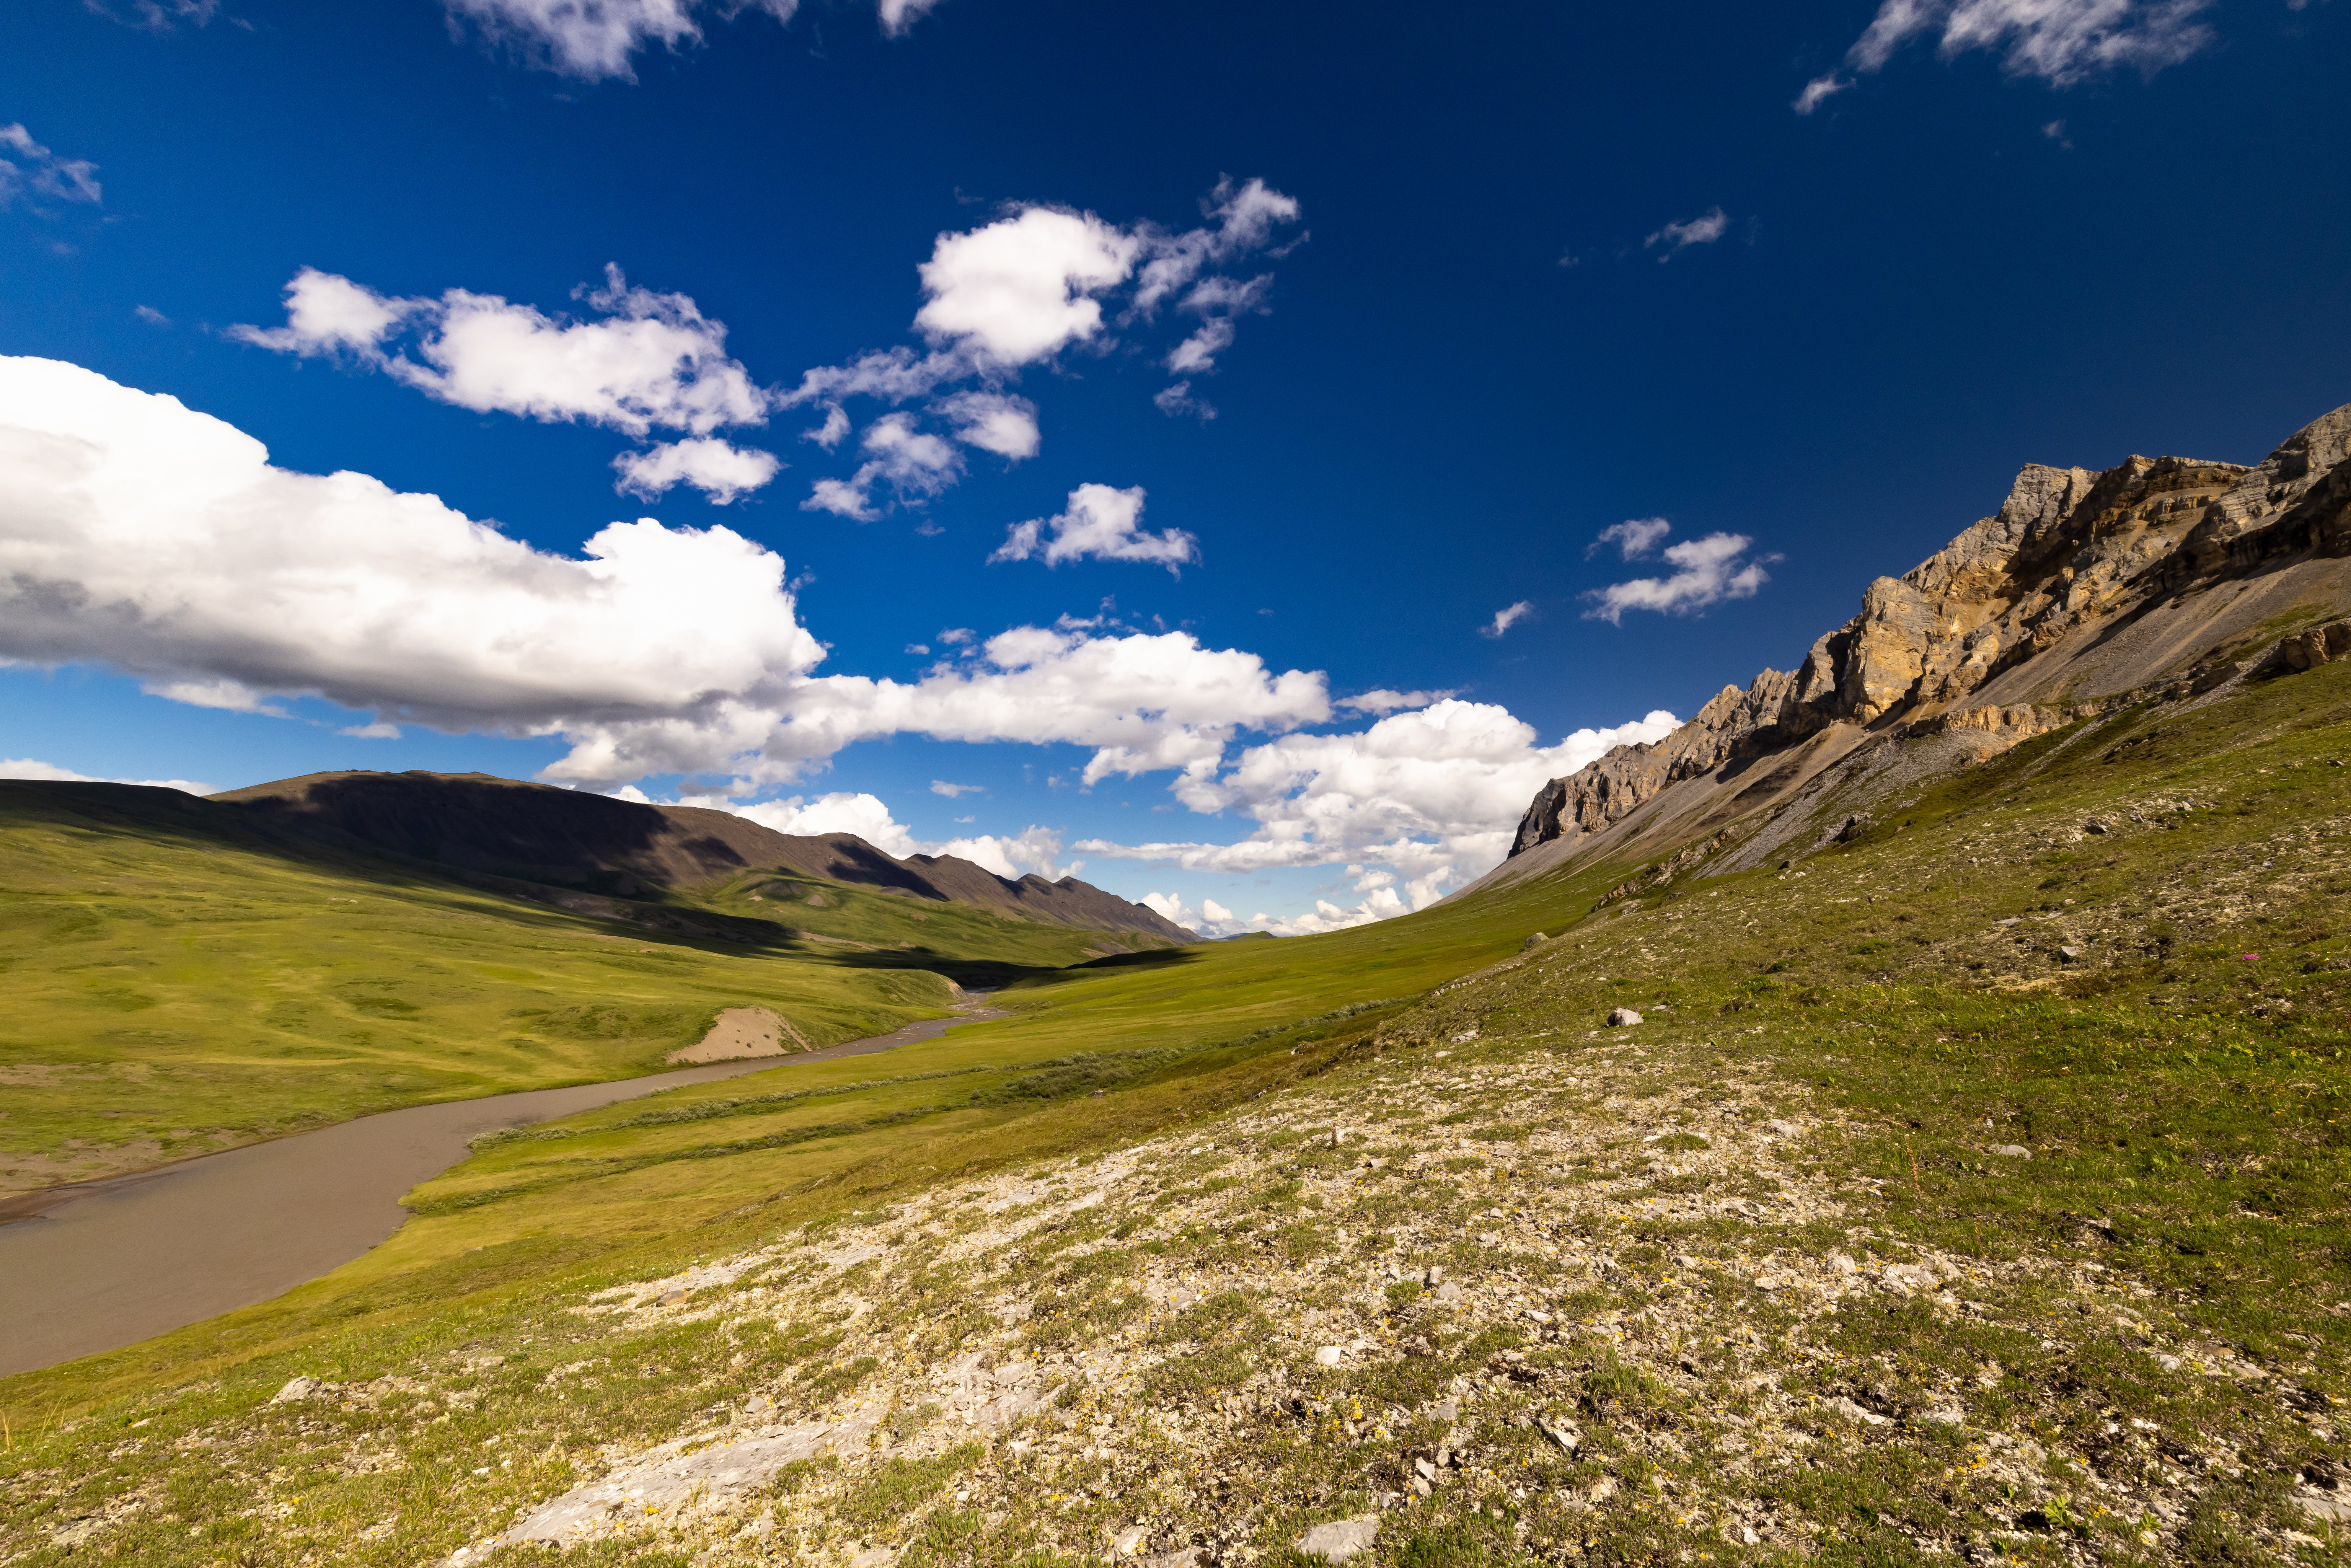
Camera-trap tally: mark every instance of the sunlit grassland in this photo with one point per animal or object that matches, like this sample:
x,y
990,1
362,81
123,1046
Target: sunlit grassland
x,y
174,978
2177,1082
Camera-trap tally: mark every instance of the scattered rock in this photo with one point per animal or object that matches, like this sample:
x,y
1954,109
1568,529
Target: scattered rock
x,y
873,1556
1182,1557
2094,826
2324,1507
2010,1151
1448,1292
1535,941
1339,1540
1855,826
1623,1018
1126,1540
2068,955
1329,1355
302,1388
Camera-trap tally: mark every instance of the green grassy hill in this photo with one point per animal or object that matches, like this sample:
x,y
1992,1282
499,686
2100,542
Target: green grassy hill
x,y
177,976
1976,1188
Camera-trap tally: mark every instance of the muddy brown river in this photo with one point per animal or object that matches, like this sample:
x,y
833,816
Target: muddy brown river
x,y
101,1265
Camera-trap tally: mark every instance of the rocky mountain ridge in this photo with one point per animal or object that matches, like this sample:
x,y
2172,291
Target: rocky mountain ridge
x,y
566,837
2082,588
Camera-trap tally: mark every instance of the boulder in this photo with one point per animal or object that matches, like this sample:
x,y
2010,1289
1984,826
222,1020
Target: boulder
x,y
1342,1539
1623,1018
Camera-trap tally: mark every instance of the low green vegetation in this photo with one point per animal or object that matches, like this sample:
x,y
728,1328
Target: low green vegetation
x,y
1974,1188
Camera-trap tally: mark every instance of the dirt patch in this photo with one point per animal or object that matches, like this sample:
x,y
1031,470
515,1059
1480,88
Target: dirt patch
x,y
745,1032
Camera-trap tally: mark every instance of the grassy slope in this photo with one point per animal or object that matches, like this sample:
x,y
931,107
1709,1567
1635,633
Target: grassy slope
x,y
175,982
1904,998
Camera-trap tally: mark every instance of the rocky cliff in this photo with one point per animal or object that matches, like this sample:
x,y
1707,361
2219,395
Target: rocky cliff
x,y
2080,586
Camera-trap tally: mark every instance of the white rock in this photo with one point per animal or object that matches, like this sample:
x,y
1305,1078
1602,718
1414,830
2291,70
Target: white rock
x,y
1127,1540
1621,1018
1329,1354
1342,1539
2010,1151
302,1388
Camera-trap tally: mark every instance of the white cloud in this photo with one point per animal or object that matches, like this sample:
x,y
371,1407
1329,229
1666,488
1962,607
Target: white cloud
x,y
371,732
2060,42
1384,701
152,317
1102,523
1707,572
598,39
137,534
915,463
1705,229
1021,288
26,165
719,470
996,422
955,791
1215,912
154,15
1432,795
651,361
1819,90
832,432
1018,292
843,812
1506,618
25,767
1177,399
1634,537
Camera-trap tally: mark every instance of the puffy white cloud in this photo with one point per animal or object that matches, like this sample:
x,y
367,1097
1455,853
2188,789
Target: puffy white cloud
x,y
25,767
651,360
1215,912
1433,795
1102,523
371,731
832,432
137,534
26,165
719,470
914,462
1505,618
1704,229
1707,572
1634,537
841,812
994,422
955,791
2061,42
1384,701
599,39
1022,287
1017,292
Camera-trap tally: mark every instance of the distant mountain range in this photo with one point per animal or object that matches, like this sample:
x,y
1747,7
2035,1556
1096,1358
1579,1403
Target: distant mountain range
x,y
619,849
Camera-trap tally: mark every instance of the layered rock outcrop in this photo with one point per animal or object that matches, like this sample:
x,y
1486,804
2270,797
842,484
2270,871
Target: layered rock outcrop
x,y
2069,551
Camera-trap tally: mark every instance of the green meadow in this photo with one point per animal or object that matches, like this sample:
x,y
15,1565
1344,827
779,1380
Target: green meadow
x,y
2119,949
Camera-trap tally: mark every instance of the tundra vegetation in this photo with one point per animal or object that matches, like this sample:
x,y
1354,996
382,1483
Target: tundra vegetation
x,y
1974,1186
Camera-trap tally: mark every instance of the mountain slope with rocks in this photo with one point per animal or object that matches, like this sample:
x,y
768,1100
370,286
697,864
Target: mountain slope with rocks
x,y
2084,592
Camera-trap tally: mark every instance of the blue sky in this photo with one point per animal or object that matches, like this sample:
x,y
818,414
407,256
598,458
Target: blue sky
x,y
1464,292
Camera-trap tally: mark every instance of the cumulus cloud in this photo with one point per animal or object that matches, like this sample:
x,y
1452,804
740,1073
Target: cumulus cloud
x,y
1383,701
1505,618
1102,523
1634,537
1706,571
1009,855
994,422
2060,42
25,767
1432,795
596,40
1705,229
137,534
28,166
719,470
1044,280
643,362
914,464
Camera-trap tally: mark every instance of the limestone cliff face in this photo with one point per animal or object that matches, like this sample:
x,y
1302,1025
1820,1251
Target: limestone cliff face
x,y
2069,551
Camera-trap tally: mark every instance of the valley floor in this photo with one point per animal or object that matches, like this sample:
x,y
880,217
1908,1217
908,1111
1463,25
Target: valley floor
x,y
1974,1190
